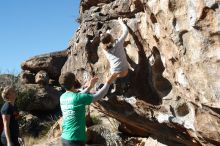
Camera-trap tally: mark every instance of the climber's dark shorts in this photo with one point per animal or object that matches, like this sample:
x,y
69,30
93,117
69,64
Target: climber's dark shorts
x,y
14,141
72,143
123,79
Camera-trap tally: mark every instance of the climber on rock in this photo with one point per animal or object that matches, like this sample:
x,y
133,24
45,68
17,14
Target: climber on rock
x,y
114,50
115,53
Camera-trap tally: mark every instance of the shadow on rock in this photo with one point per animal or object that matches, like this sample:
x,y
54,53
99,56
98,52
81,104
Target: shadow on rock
x,y
147,82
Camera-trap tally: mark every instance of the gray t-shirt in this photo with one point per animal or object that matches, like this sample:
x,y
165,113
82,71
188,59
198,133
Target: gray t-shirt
x,y
116,55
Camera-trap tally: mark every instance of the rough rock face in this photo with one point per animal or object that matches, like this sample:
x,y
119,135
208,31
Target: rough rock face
x,y
39,76
27,77
173,48
51,63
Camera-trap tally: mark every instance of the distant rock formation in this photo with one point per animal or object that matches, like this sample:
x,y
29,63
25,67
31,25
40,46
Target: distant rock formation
x,y
52,63
173,49
39,91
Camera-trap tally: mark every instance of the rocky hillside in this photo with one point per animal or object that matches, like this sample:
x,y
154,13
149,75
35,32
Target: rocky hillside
x,y
173,48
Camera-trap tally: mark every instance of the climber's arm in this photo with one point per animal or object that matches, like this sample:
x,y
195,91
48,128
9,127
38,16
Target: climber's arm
x,y
86,90
124,31
101,93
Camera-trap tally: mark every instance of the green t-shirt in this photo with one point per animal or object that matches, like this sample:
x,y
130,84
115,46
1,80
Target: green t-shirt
x,y
73,110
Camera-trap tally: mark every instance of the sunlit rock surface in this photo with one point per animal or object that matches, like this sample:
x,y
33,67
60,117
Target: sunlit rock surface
x,y
173,48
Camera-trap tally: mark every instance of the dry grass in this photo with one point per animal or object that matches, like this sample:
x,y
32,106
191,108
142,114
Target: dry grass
x,y
30,141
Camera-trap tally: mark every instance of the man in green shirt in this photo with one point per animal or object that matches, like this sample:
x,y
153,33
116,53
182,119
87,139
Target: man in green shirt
x,y
73,105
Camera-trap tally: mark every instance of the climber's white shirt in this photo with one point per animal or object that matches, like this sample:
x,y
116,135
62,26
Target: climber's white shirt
x,y
116,55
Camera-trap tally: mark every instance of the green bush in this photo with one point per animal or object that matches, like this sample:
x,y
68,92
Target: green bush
x,y
25,98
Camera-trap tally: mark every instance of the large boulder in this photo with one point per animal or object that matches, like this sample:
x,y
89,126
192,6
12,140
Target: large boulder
x,y
51,63
27,77
173,50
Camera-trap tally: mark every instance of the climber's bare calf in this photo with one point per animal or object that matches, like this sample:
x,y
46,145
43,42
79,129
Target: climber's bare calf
x,y
123,73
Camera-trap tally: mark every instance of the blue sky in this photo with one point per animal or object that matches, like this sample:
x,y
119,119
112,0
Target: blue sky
x,y
33,27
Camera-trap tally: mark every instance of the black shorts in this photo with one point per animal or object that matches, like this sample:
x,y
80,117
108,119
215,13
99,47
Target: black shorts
x,y
72,143
14,141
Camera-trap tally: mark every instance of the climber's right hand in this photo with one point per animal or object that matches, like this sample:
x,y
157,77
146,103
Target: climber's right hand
x,y
92,82
120,20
